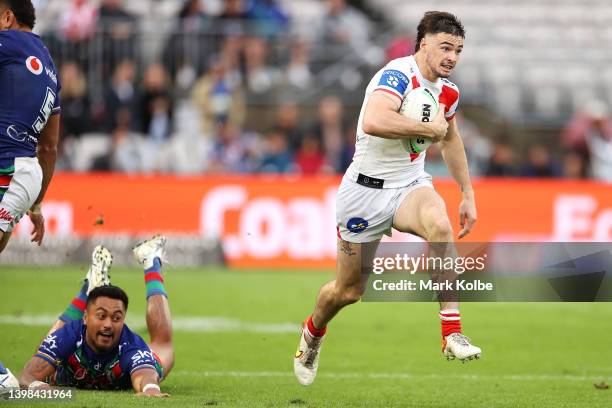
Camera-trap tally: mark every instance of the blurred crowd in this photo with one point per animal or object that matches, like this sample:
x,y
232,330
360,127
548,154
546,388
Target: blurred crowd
x,y
582,150
230,90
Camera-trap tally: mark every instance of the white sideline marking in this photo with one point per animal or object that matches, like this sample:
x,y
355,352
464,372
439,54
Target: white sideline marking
x,y
185,324
396,376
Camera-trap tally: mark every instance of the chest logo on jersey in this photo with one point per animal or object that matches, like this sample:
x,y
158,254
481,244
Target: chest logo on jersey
x,y
34,65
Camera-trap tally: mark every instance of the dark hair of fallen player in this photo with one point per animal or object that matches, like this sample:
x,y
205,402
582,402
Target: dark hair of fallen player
x,y
109,291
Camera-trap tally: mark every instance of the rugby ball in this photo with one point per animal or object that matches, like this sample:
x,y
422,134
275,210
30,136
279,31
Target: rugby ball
x,y
7,381
420,104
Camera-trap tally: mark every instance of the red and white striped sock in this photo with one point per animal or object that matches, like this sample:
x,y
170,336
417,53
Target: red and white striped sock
x,y
312,330
451,321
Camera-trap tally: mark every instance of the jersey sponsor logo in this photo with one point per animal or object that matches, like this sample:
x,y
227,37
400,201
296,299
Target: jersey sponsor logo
x,y
395,80
34,65
51,75
50,342
141,356
14,134
357,225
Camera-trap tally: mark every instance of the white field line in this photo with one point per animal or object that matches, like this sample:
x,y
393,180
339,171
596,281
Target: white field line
x,y
184,324
395,376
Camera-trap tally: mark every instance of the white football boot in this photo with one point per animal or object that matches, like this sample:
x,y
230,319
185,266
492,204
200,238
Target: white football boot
x,y
457,345
148,250
101,261
7,380
306,359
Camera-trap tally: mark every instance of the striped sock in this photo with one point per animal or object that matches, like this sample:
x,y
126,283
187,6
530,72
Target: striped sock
x,y
451,321
154,281
312,330
76,308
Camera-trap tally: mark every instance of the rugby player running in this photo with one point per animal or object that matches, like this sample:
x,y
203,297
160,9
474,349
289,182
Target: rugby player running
x,y
385,187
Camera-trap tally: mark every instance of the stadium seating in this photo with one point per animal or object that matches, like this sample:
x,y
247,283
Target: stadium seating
x,y
525,58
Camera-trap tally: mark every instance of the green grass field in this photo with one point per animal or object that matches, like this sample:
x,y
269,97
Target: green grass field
x,y
234,344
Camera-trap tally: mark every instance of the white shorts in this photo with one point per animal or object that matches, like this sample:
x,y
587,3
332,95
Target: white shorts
x,y
364,214
21,188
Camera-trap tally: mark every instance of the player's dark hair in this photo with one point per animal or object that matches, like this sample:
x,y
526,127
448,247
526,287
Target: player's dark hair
x,y
109,291
434,22
23,11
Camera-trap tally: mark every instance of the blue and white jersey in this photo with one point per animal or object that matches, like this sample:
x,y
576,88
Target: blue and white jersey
x,y
29,93
77,365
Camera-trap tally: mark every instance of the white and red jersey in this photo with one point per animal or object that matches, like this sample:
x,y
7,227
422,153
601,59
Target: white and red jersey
x,y
387,159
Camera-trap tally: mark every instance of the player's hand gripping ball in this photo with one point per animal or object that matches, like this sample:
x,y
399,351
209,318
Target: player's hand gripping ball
x,y
421,105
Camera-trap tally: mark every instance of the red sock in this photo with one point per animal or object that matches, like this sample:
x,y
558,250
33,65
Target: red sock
x,y
451,321
313,331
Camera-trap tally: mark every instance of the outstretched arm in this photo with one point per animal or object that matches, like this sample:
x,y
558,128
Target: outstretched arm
x,y
453,153
35,373
146,383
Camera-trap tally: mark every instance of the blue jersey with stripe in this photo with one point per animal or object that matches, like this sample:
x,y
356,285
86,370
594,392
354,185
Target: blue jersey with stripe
x,y
29,92
77,365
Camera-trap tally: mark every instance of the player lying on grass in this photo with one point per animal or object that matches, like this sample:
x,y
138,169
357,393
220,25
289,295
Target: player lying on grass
x,y
91,347
385,187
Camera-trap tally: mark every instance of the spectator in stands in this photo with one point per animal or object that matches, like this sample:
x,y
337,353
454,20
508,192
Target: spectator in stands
x,y
540,163
118,29
298,73
501,163
330,130
120,94
573,165
219,98
269,19
345,31
234,151
155,103
76,118
590,132
310,158
190,43
288,123
400,46
233,21
77,22
260,77
277,157
129,152
344,25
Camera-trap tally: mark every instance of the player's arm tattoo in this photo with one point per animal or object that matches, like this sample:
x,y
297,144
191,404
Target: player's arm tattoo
x,y
36,369
347,248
